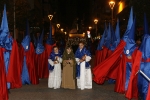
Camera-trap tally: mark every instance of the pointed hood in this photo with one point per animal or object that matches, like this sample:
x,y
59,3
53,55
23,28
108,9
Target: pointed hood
x,y
26,41
40,48
117,37
117,31
113,36
108,38
130,22
50,39
130,42
146,28
101,42
4,24
145,45
41,37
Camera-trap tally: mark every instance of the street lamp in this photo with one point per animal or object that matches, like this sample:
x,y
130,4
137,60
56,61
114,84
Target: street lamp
x,y
112,4
65,33
90,27
50,17
62,29
58,25
96,21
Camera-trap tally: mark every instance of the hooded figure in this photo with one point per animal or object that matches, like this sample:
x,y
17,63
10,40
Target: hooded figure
x,y
41,58
27,59
99,52
55,60
145,63
11,56
69,66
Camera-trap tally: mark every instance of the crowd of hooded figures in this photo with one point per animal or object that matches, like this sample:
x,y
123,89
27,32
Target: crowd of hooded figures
x,y
30,62
123,62
118,61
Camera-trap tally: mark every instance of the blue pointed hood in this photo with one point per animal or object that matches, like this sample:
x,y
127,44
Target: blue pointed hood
x,y
101,42
113,36
40,48
130,22
146,28
4,23
130,42
26,41
117,31
145,45
50,39
117,37
108,38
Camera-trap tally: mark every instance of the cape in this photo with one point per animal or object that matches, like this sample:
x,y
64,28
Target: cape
x,y
106,66
132,91
3,80
14,71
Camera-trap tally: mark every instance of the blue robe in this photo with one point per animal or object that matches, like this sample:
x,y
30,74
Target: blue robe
x,y
79,54
25,74
52,57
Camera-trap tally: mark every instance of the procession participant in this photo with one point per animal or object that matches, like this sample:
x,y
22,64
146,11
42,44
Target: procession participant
x,y
69,65
83,68
55,60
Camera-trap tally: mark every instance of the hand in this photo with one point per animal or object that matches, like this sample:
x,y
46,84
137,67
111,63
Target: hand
x,y
57,57
55,62
129,57
81,60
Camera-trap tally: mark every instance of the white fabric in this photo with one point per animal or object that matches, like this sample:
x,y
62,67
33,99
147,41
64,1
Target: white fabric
x,y
54,80
88,58
77,60
85,80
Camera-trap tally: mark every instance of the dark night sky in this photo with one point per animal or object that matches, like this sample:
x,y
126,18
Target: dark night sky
x,y
69,10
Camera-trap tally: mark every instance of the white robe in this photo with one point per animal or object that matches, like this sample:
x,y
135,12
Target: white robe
x,y
54,80
85,79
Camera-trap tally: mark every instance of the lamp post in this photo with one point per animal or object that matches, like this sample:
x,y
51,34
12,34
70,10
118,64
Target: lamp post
x,y
58,25
112,4
50,18
62,29
96,21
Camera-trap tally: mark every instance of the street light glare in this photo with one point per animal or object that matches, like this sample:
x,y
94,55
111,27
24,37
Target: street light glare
x,y
95,21
50,17
111,4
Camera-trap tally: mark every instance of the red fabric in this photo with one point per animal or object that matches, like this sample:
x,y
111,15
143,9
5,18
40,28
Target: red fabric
x,y
30,61
105,51
109,52
103,69
120,80
42,64
121,76
48,48
132,91
14,71
3,81
98,57
148,93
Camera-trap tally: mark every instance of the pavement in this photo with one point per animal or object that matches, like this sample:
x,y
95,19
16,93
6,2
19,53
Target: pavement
x,y
42,92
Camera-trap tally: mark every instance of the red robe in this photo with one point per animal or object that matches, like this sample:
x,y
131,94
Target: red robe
x,y
14,71
3,81
132,91
30,61
121,76
104,69
98,57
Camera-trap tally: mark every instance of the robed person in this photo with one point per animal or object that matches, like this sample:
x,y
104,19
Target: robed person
x,y
55,60
69,66
83,68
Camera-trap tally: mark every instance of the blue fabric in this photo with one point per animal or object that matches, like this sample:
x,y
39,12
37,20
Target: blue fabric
x,y
26,43
130,22
128,73
108,38
6,61
101,42
39,49
25,74
146,27
142,81
50,39
52,57
79,54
